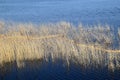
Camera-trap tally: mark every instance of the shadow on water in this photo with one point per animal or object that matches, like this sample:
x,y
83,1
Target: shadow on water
x,y
42,70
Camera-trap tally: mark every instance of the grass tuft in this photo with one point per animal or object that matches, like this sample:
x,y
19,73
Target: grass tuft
x,y
83,45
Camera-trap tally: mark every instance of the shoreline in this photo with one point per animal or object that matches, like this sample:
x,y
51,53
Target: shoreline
x,y
82,45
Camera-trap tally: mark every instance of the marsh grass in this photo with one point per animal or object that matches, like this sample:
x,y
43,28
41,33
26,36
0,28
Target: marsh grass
x,y
119,35
82,45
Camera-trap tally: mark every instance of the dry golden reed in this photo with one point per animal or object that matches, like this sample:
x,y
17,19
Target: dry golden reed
x,y
83,45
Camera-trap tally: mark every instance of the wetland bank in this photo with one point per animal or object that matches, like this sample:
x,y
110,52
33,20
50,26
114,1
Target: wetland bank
x,y
62,42
44,39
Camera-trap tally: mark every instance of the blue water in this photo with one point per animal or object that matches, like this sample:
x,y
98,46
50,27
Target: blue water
x,y
56,71
74,11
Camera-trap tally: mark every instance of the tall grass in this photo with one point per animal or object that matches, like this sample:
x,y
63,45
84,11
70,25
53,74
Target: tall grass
x,y
83,45
119,35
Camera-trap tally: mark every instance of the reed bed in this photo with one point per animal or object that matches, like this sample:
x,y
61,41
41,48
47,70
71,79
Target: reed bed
x,y
93,45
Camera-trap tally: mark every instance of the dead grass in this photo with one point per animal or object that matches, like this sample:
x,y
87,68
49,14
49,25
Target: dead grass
x,y
82,45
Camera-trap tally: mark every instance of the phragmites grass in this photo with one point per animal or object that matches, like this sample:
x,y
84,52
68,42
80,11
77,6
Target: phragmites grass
x,y
119,33
83,45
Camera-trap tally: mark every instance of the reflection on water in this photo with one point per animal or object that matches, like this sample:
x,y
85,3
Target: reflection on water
x,y
41,70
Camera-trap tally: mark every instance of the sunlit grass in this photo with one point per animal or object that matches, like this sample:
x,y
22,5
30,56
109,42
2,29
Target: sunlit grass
x,y
83,45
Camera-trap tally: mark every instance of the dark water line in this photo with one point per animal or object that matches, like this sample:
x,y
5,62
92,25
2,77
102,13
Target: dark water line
x,y
56,71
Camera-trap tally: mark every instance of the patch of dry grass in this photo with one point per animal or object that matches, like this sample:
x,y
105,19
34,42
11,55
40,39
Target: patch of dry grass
x,y
82,45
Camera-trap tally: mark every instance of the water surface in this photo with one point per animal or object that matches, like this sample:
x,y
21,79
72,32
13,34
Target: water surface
x,y
56,71
74,11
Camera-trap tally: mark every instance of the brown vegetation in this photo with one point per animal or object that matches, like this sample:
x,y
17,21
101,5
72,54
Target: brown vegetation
x,y
83,45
